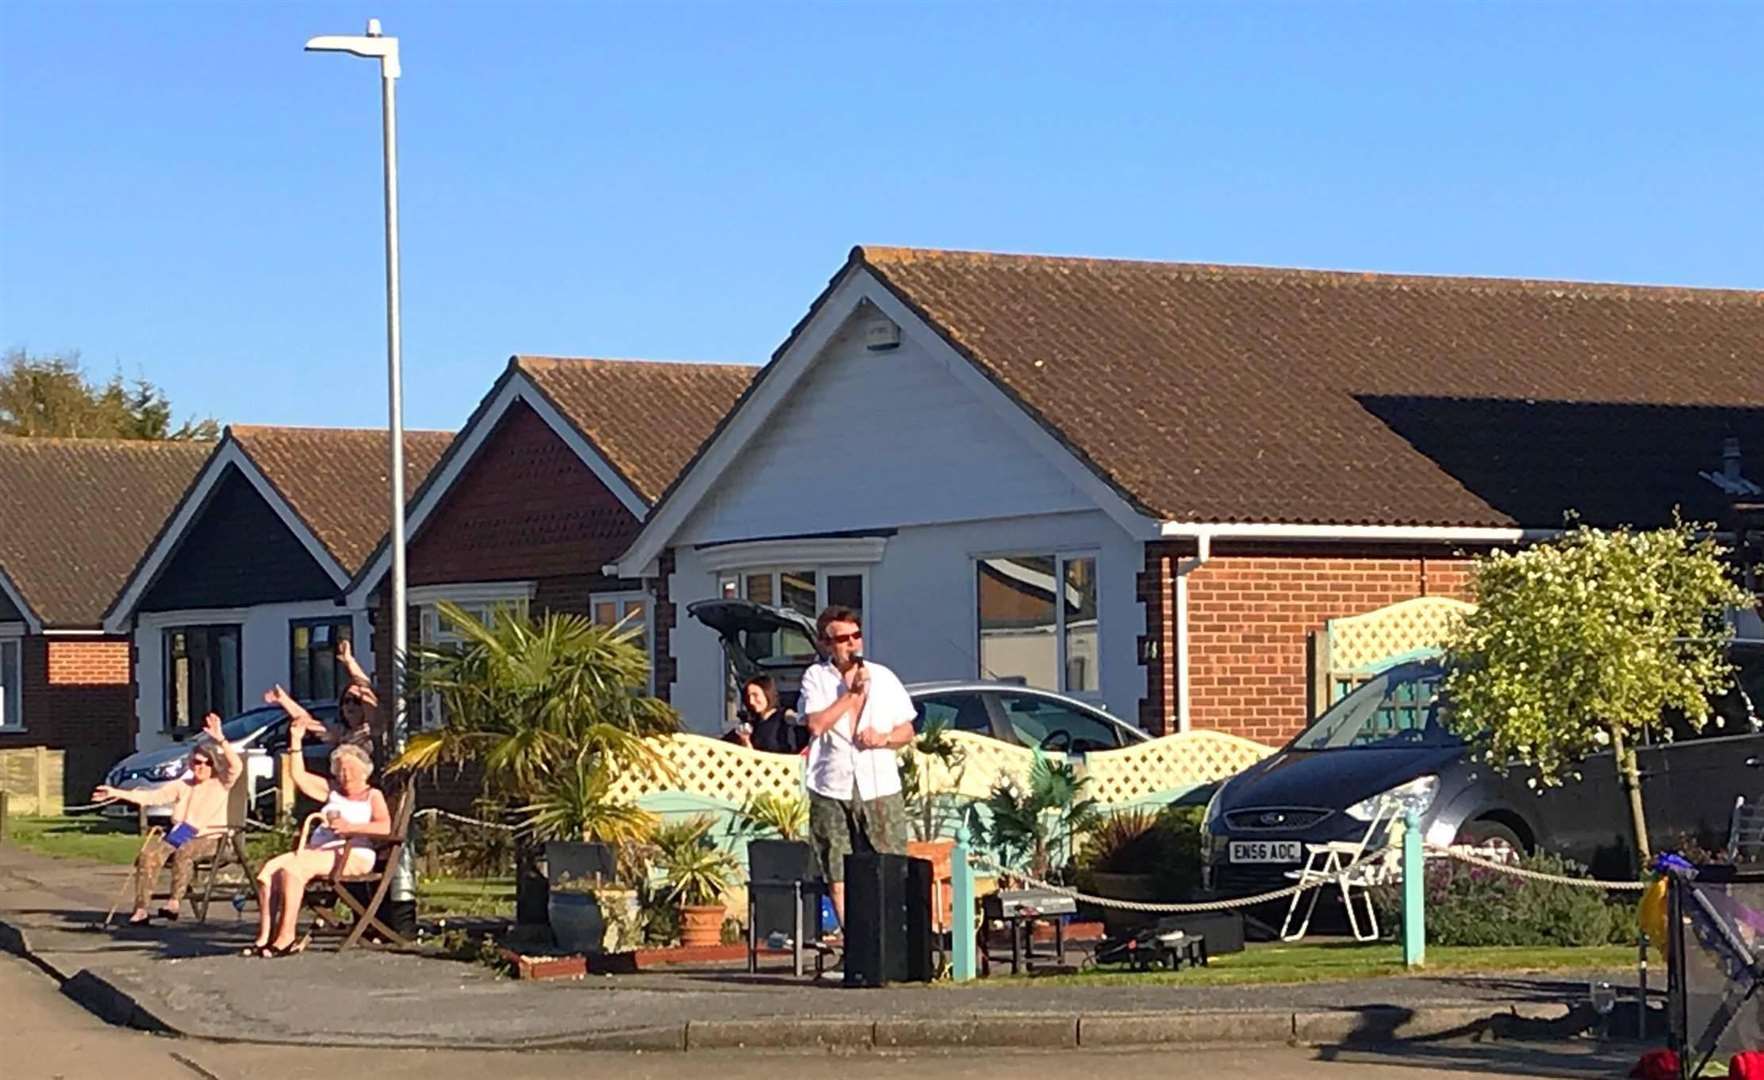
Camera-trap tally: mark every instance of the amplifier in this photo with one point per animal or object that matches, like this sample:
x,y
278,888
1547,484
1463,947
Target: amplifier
x,y
887,919
1032,903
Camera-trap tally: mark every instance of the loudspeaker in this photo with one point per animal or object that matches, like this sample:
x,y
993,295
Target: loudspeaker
x,y
1222,930
887,919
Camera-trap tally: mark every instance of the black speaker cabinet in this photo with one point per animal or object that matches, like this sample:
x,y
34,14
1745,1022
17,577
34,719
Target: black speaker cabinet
x,y
1223,930
887,919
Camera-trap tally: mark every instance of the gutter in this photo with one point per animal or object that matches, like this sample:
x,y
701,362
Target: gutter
x,y
1203,551
1243,530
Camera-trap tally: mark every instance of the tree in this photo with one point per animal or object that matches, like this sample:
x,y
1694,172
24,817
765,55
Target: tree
x,y
1585,643
552,710
50,396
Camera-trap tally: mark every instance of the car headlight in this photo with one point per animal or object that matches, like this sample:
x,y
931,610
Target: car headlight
x,y
1416,795
169,770
1211,813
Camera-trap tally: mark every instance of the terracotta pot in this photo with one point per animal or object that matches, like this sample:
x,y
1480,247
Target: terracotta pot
x,y
701,925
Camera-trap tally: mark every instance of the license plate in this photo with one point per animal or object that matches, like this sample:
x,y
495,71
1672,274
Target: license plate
x,y
1265,851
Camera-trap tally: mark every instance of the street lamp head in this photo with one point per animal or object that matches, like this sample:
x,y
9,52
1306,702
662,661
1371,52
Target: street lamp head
x,y
373,45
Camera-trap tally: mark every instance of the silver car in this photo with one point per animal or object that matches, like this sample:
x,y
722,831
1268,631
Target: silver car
x,y
1023,715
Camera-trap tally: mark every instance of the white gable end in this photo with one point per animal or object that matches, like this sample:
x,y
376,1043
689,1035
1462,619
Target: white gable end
x,y
880,439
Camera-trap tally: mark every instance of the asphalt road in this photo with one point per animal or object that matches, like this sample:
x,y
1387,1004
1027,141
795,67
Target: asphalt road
x,y
45,1036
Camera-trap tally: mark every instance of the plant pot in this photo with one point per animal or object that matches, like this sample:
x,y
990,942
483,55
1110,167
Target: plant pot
x,y
582,923
701,925
1141,887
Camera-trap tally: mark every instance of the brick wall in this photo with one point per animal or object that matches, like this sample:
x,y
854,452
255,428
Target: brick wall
x,y
78,699
1250,616
666,618
1157,647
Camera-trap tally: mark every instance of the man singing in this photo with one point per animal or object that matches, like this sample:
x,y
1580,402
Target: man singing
x,y
859,714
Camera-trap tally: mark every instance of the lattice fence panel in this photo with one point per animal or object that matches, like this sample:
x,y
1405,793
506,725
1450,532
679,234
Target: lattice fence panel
x,y
1358,640
1124,776
984,762
717,770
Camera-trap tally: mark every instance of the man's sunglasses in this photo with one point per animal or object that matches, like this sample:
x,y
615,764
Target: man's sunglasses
x,y
845,639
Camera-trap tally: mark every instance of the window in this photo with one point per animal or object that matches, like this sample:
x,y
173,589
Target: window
x,y
1043,722
201,674
1739,711
313,671
435,629
11,685
1038,621
956,712
805,591
608,609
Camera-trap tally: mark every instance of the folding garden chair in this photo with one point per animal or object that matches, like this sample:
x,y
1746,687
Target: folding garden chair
x,y
323,894
206,871
1745,831
1338,861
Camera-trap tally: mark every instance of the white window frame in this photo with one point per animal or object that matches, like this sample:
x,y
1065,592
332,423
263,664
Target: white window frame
x,y
478,599
739,576
1060,556
12,637
622,601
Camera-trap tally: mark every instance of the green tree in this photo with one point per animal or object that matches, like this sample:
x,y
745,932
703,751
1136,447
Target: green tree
x,y
552,710
1584,643
50,396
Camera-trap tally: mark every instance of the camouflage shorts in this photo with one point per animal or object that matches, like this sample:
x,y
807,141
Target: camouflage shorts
x,y
838,827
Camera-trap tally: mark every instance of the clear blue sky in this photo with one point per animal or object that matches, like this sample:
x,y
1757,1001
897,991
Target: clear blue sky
x,y
188,196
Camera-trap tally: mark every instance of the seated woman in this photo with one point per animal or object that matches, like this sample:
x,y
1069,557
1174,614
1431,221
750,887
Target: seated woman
x,y
765,726
354,814
199,819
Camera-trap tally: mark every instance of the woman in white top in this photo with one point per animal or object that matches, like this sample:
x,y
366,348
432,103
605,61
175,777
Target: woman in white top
x,y
355,812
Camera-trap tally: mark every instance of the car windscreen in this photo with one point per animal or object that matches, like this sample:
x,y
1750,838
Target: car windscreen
x,y
247,722
1397,707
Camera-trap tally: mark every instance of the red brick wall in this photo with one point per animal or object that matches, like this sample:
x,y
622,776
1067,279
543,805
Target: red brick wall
x,y
1157,648
78,699
1249,617
526,507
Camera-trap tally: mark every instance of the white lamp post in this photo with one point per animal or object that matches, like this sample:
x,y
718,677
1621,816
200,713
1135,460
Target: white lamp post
x,y
376,46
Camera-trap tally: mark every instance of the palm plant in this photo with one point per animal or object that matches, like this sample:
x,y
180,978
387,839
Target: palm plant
x,y
1030,829
918,762
771,814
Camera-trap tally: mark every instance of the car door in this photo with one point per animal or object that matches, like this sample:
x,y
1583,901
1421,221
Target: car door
x,y
955,710
1588,819
1708,769
1050,724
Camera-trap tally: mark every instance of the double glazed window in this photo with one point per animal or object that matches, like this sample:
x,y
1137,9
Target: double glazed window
x,y
1037,620
11,685
805,591
313,671
610,609
437,630
201,674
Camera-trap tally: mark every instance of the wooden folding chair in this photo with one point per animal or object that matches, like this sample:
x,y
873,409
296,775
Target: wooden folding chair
x,y
322,894
229,852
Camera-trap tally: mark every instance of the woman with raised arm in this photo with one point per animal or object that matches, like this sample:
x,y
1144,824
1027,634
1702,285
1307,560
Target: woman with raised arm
x,y
355,813
199,819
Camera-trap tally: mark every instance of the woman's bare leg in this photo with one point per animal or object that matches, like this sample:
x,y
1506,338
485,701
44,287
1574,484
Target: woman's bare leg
x,y
290,889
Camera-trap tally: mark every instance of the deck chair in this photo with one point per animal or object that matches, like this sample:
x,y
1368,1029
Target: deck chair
x,y
1745,831
1339,862
206,872
324,894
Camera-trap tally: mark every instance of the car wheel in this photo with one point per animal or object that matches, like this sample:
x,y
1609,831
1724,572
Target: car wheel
x,y
1496,837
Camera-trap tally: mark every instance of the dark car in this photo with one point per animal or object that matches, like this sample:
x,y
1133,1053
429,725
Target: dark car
x,y
1388,739
762,640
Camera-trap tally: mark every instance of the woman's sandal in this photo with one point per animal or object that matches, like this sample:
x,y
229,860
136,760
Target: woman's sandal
x,y
142,921
254,951
168,915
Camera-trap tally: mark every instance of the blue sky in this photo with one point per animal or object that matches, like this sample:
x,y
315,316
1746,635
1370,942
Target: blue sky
x,y
187,196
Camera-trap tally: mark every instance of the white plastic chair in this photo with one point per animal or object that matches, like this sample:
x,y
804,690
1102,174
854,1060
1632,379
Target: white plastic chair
x,y
1338,861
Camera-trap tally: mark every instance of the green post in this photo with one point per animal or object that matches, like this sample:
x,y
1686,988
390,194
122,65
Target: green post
x,y
961,887
1414,878
4,798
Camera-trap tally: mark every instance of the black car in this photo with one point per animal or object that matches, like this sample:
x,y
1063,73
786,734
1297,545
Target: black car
x,y
1388,739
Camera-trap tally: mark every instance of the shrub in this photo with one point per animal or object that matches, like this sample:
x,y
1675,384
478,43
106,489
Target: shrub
x,y
1165,844
1476,905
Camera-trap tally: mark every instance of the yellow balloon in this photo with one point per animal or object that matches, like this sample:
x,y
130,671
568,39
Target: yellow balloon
x,y
1651,914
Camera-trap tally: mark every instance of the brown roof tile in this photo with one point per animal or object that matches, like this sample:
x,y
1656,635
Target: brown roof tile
x,y
75,515
645,417
1219,393
335,478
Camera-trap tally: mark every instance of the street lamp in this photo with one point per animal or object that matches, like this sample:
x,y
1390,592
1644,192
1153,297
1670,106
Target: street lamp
x,y
376,46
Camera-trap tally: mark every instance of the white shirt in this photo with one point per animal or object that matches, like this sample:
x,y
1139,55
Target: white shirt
x,y
835,763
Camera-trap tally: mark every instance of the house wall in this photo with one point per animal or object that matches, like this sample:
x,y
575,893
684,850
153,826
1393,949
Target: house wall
x,y
1250,616
76,699
264,656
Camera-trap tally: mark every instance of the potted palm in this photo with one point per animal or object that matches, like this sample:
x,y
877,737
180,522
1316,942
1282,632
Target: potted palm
x,y
550,710
696,874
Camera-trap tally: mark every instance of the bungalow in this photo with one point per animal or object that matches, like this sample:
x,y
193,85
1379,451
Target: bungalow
x,y
241,587
549,480
78,513
1161,486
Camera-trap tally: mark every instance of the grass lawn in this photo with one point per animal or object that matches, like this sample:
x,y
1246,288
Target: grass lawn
x,y
1321,961
116,842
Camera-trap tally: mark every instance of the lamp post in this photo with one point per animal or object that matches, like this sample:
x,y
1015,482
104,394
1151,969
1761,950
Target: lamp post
x,y
374,45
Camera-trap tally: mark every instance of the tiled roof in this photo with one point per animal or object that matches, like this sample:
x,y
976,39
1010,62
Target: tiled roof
x,y
335,478
75,515
645,417
1217,393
